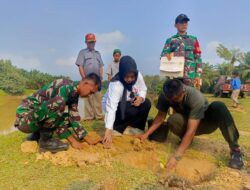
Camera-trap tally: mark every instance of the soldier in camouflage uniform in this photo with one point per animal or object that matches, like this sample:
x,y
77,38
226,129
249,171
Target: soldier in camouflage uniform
x,y
43,113
188,47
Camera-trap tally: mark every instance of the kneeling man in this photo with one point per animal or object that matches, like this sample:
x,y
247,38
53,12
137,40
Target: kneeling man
x,y
194,116
43,113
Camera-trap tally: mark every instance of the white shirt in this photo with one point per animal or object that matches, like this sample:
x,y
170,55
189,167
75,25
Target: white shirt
x,y
113,69
114,95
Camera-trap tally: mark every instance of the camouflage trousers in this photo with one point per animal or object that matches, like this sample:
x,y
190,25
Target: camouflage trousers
x,y
32,116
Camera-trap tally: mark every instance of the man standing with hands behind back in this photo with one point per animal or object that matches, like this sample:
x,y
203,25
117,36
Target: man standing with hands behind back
x,y
89,61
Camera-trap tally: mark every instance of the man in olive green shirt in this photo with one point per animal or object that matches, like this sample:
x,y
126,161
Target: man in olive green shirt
x,y
194,116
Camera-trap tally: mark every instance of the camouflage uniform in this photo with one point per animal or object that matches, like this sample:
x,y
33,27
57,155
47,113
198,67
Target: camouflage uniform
x,y
45,109
188,47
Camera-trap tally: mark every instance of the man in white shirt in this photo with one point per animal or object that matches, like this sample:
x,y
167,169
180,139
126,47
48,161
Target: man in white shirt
x,y
125,103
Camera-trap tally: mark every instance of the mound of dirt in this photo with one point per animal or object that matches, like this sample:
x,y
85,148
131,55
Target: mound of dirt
x,y
195,170
130,151
29,146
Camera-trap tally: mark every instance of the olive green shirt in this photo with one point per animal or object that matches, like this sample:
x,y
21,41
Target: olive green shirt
x,y
193,105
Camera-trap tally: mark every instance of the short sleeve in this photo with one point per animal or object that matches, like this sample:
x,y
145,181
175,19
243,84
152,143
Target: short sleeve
x,y
162,104
100,59
80,59
109,70
142,86
198,106
166,48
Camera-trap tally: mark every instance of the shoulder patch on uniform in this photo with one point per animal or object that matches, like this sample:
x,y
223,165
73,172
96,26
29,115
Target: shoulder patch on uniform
x,y
168,40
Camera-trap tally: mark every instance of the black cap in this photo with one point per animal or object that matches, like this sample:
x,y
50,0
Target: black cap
x,y
181,18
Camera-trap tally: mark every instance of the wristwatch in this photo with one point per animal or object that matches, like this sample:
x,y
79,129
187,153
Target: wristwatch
x,y
178,158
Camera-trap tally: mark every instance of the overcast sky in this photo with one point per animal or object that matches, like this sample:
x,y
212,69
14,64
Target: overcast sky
x,y
47,35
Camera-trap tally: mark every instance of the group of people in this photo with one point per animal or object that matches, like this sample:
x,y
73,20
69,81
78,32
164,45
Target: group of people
x,y
125,104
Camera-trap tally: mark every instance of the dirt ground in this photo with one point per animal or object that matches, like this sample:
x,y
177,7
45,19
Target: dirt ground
x,y
198,169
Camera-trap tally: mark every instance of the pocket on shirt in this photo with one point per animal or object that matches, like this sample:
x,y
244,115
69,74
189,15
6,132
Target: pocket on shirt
x,y
87,57
189,48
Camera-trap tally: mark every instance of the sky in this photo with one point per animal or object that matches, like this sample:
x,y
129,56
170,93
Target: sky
x,y
48,35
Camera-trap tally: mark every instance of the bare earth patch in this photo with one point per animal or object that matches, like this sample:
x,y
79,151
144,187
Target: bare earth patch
x,y
196,170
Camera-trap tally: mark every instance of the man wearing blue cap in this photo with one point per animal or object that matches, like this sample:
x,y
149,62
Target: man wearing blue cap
x,y
187,46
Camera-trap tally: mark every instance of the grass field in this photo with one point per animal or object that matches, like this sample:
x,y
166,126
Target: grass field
x,y
8,105
22,170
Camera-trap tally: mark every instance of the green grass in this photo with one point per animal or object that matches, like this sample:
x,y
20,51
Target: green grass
x,y
22,171
8,105
2,93
241,116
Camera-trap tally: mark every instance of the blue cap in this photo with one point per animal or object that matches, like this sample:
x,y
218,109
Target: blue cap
x,y
181,19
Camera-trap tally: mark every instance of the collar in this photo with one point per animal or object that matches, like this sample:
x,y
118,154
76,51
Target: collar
x,y
90,50
178,35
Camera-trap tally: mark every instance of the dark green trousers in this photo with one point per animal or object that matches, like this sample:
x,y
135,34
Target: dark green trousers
x,y
216,116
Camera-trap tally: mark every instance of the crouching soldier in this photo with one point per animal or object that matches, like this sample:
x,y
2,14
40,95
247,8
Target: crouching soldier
x,y
43,113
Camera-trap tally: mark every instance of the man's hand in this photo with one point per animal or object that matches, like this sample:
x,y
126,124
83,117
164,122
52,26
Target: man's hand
x,y
186,140
78,145
169,56
82,72
142,137
138,101
92,141
107,140
197,82
171,163
74,143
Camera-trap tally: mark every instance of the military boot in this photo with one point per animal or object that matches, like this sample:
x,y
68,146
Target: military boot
x,y
47,143
35,136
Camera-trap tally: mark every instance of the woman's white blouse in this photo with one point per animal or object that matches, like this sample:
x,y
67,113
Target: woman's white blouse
x,y
114,95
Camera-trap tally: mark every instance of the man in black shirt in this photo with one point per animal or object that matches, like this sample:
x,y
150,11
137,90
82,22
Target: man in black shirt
x,y
194,116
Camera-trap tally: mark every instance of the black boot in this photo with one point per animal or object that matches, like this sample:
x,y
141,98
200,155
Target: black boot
x,y
35,136
236,160
47,143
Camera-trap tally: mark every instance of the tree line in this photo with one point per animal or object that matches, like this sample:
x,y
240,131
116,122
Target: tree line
x,y
14,80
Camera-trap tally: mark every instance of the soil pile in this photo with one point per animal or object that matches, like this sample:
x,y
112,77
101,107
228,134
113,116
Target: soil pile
x,y
130,151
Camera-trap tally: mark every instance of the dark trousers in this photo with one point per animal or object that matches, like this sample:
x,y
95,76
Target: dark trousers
x,y
216,116
134,116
